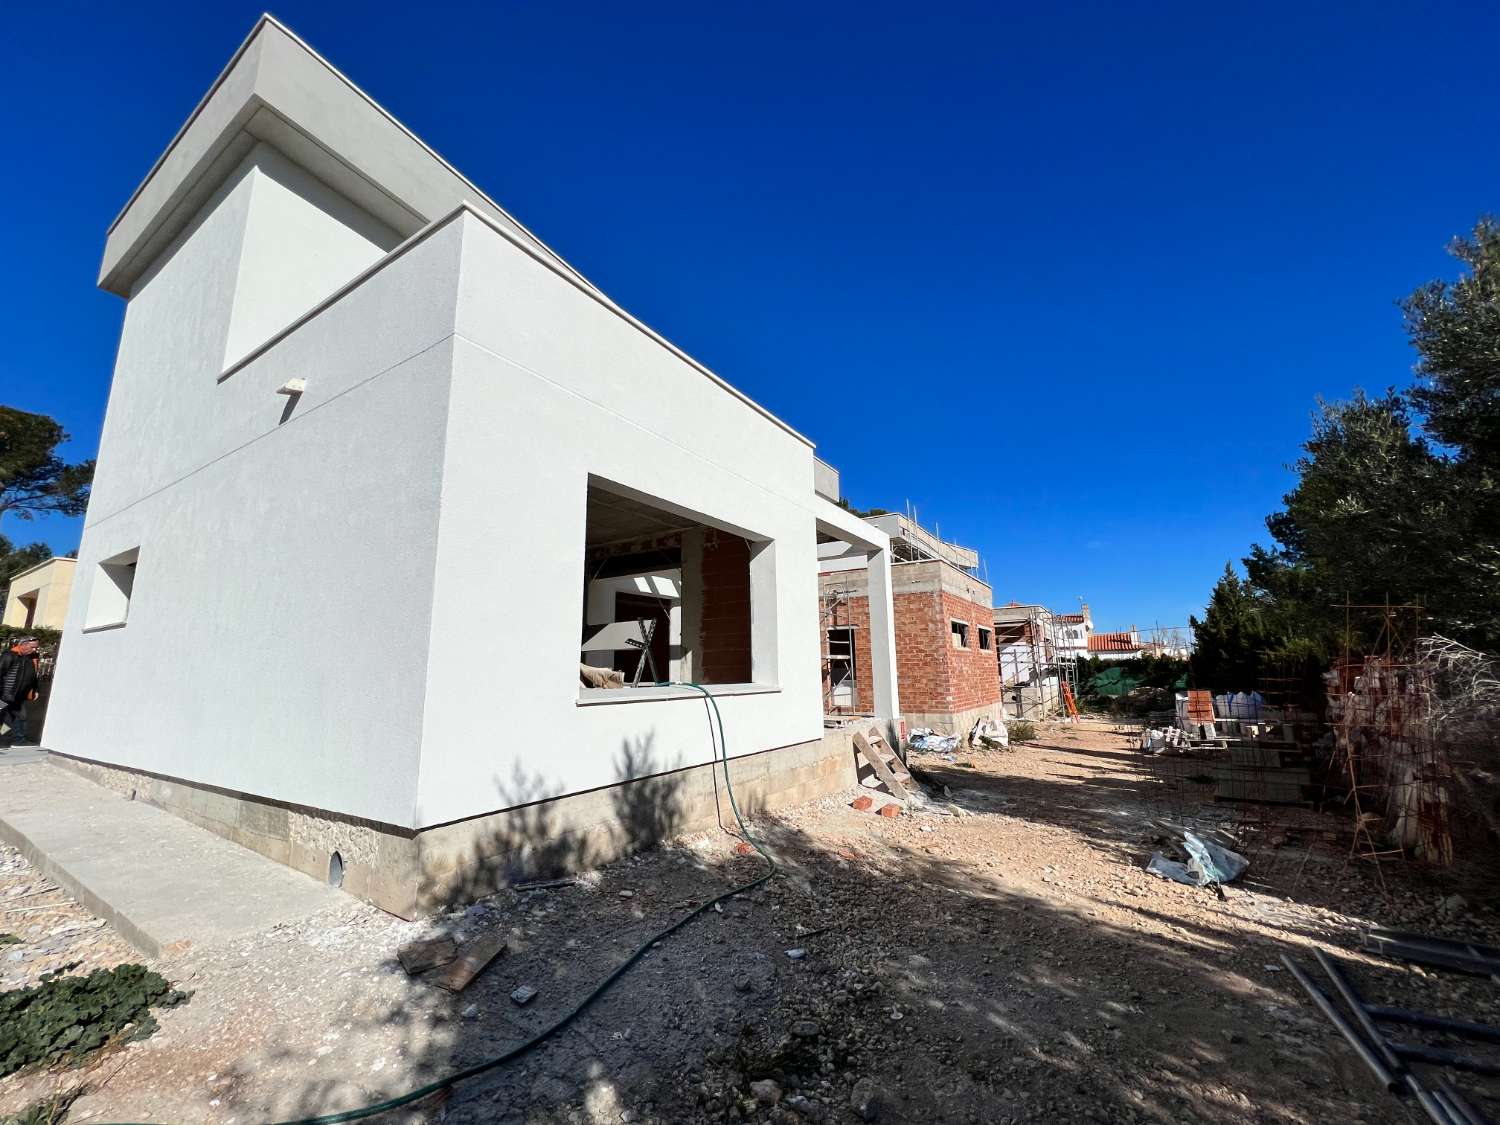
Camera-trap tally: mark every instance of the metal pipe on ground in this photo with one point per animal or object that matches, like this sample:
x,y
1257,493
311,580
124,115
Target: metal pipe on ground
x,y
1371,1060
1357,1005
1465,1110
1439,1056
1436,1023
1433,1105
1428,954
1410,937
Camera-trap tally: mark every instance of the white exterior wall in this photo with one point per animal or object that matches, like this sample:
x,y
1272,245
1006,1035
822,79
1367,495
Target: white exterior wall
x,y
278,625
302,241
549,387
366,599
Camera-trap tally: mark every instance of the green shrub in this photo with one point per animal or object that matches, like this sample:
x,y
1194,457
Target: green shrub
x,y
67,1017
1021,731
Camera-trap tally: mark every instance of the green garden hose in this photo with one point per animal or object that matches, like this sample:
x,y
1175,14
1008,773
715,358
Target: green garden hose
x,y
603,986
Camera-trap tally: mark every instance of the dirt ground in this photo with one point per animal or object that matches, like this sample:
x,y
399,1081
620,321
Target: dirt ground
x,y
998,957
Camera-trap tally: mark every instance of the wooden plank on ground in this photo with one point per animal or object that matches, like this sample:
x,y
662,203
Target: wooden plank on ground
x,y
419,956
471,962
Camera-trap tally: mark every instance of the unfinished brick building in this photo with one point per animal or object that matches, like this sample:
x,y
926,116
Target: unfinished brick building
x,y
946,670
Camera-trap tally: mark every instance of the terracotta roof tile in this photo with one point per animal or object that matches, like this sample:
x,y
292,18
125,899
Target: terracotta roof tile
x,y
1113,642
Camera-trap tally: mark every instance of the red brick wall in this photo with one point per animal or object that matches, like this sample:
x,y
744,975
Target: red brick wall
x,y
725,641
973,673
922,652
931,674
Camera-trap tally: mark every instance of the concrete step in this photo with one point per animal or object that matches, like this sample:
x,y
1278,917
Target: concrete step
x,y
162,883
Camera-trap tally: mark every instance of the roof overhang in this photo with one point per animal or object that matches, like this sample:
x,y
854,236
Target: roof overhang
x,y
278,90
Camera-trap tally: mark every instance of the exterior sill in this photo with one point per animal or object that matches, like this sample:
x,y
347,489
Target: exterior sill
x,y
595,697
103,628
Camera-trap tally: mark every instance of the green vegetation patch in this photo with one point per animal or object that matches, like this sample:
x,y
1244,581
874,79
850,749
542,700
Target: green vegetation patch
x,y
69,1017
1021,731
49,1111
9,939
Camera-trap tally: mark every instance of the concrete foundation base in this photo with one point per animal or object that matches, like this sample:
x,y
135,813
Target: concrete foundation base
x,y
411,873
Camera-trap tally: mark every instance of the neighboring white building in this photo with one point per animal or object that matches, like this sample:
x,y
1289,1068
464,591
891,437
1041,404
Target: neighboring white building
x,y
377,465
1125,644
1073,631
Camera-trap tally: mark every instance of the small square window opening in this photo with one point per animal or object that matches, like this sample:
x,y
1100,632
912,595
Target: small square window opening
x,y
109,598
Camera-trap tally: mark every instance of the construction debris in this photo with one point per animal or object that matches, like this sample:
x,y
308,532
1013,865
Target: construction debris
x,y
928,741
1159,740
523,995
1208,863
545,884
989,735
471,962
1390,1061
590,676
419,956
1463,957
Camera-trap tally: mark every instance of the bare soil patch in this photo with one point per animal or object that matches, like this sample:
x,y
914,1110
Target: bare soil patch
x,y
1005,959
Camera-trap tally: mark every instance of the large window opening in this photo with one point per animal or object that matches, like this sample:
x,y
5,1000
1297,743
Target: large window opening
x,y
666,598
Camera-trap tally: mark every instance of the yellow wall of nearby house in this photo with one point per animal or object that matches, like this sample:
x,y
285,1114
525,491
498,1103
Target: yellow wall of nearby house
x,y
38,597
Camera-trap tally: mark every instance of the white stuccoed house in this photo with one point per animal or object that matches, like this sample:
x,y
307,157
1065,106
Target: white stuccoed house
x,y
377,466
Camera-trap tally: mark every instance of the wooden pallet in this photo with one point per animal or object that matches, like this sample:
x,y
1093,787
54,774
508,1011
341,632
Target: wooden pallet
x,y
871,745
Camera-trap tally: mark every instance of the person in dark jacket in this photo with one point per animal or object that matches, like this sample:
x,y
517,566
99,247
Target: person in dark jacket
x,y
19,672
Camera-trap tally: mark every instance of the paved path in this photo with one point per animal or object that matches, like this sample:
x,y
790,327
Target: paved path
x,y
21,755
159,881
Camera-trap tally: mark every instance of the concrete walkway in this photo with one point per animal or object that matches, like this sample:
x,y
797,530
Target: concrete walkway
x,y
21,755
162,883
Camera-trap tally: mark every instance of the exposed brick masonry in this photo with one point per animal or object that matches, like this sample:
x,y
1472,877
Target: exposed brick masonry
x,y
726,610
932,675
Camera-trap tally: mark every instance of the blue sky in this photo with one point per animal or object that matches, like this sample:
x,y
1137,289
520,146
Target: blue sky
x,y
1067,281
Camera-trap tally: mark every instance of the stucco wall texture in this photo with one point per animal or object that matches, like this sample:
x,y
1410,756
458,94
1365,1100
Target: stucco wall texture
x,y
337,604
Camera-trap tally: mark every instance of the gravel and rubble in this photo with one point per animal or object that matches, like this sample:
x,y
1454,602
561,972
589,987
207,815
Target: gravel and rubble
x,y
53,932
999,956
